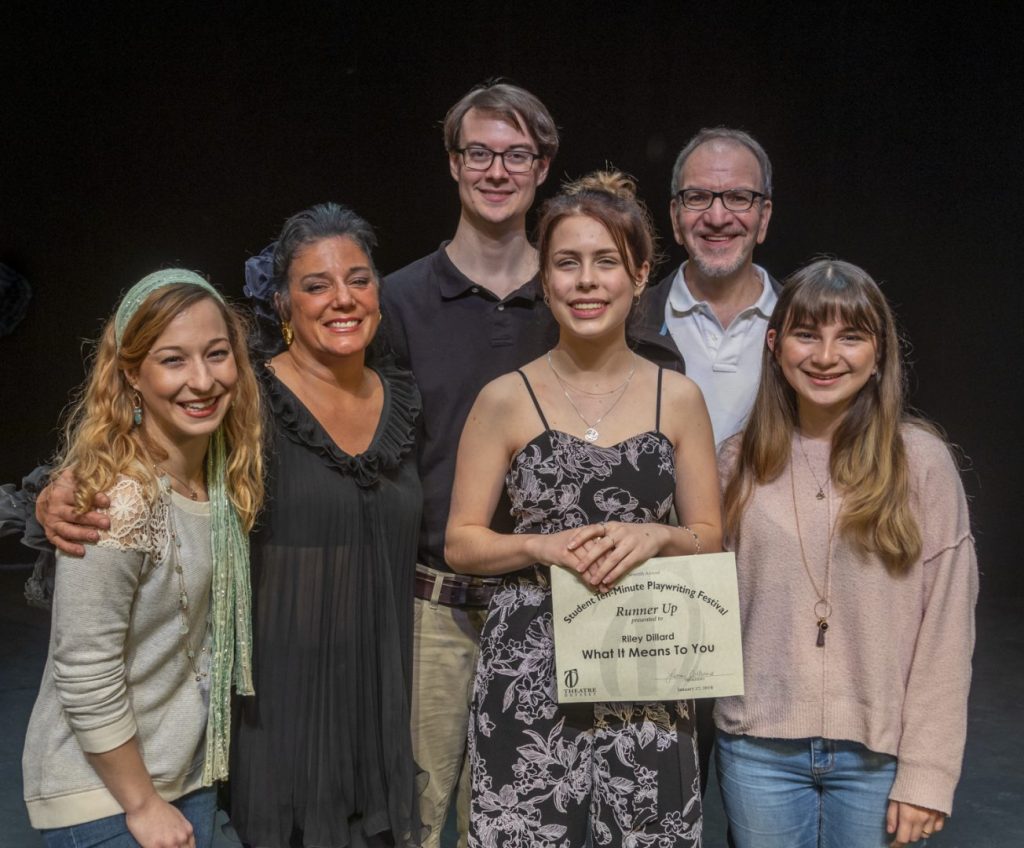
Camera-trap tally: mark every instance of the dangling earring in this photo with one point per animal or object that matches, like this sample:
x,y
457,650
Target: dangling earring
x,y
136,408
639,287
286,333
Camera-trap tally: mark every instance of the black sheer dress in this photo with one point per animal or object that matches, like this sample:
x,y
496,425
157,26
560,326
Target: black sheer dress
x,y
322,755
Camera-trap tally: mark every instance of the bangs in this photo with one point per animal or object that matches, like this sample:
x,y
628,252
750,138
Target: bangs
x,y
832,298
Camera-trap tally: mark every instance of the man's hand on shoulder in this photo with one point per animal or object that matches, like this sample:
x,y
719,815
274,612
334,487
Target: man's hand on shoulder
x,y
67,529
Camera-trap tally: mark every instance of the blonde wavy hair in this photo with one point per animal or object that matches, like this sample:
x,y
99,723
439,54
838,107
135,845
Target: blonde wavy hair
x,y
868,458
100,439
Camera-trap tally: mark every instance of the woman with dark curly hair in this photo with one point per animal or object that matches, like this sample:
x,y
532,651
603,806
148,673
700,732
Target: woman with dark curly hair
x,y
322,751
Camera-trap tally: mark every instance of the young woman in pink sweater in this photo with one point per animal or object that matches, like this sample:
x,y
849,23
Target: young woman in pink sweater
x,y
858,582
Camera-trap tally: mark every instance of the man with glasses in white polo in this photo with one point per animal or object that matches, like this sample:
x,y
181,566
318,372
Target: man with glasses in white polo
x,y
714,308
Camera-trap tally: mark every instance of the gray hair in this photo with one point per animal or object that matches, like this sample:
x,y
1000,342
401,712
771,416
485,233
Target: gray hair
x,y
728,135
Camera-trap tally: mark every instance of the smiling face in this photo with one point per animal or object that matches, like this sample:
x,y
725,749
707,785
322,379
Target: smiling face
x,y
720,243
588,285
333,298
825,364
495,197
187,377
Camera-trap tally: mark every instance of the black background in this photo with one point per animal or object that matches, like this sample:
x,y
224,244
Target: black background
x,y
151,135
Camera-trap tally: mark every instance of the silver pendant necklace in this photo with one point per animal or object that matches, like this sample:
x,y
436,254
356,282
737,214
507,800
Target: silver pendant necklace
x,y
591,434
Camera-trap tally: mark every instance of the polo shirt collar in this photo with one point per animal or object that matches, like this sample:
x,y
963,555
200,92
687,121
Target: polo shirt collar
x,y
680,298
453,283
682,301
765,304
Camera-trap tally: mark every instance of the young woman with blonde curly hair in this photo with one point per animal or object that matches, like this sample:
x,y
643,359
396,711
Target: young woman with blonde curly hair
x,y
151,627
857,581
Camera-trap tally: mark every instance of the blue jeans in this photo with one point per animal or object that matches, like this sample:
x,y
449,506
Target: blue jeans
x,y
199,807
803,793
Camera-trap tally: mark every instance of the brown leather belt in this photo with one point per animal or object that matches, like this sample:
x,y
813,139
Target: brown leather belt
x,y
456,590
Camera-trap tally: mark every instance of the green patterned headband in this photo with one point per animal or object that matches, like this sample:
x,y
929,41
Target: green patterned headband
x,y
138,293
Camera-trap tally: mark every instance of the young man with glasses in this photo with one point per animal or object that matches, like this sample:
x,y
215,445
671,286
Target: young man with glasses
x,y
458,318
714,309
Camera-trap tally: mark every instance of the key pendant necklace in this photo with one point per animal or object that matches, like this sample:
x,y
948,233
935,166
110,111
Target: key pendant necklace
x,y
591,434
823,606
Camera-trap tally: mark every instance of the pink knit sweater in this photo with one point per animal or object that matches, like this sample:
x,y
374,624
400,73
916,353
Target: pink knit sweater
x,y
896,666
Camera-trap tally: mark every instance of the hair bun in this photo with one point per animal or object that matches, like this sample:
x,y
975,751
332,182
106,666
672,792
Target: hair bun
x,y
612,182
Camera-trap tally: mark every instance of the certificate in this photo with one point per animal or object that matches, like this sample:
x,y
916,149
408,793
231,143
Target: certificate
x,y
667,631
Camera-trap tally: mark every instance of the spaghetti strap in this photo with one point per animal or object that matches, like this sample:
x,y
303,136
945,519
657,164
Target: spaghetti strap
x,y
533,397
657,408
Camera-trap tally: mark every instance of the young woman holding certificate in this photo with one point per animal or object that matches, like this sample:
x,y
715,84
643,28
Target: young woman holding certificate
x,y
857,582
594,445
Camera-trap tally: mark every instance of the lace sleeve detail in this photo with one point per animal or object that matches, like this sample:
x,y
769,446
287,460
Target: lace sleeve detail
x,y
137,523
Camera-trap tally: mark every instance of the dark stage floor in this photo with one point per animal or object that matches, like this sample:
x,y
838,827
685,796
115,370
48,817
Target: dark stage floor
x,y
988,802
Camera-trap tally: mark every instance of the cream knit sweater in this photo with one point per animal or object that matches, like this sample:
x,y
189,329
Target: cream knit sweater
x,y
117,666
895,669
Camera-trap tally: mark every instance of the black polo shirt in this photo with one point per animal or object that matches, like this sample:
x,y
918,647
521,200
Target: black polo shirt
x,y
456,336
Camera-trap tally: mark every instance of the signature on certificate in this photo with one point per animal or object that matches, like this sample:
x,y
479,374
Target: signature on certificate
x,y
684,679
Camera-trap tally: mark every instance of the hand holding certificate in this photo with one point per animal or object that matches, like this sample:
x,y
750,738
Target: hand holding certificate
x,y
668,630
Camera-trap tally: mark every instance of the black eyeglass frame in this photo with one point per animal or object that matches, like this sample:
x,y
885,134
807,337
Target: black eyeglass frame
x,y
720,195
533,158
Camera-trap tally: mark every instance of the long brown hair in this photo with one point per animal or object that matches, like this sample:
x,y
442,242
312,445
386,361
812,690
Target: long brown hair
x,y
101,440
868,458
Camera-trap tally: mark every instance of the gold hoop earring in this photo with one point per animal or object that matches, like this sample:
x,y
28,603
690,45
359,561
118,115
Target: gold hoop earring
x,y
286,333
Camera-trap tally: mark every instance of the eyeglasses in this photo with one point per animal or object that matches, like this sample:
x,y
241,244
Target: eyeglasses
x,y
481,158
733,199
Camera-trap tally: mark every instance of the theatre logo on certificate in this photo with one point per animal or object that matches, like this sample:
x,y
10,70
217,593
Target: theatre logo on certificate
x,y
571,684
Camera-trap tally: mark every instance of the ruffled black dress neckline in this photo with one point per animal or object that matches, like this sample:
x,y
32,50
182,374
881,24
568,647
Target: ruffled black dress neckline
x,y
393,439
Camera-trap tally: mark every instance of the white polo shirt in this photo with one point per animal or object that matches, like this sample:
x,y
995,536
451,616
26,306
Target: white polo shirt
x,y
724,362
